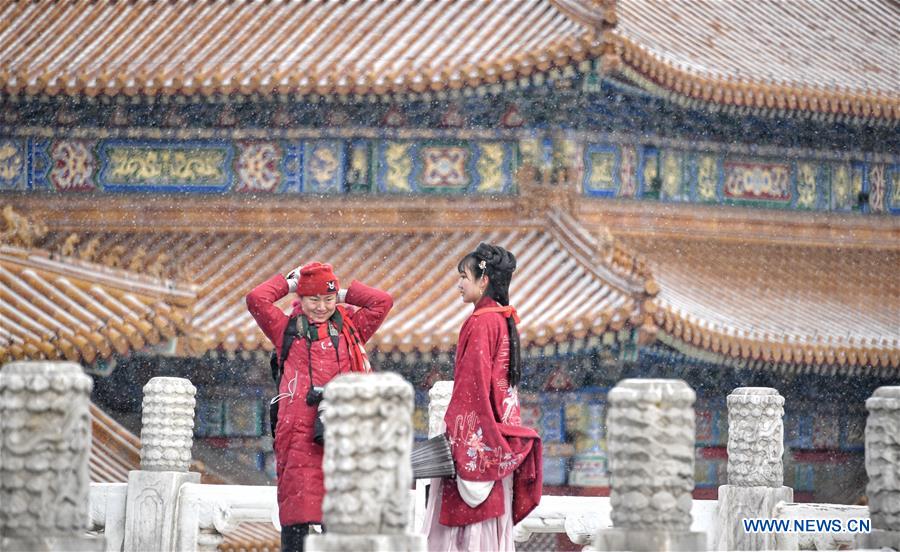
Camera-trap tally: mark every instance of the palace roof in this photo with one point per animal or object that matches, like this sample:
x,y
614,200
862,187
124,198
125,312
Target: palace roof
x,y
415,262
780,303
767,286
829,56
746,287
817,55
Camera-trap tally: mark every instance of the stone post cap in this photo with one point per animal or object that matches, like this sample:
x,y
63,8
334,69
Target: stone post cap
x,y
754,391
440,389
368,386
673,392
33,375
887,396
754,395
168,385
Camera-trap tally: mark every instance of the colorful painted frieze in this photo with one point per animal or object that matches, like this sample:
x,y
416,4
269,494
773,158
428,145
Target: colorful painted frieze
x,y
590,469
752,181
708,170
72,166
706,471
413,164
210,418
798,429
143,166
806,185
445,167
847,183
877,187
243,417
628,178
804,478
555,470
826,431
674,178
649,171
853,431
258,167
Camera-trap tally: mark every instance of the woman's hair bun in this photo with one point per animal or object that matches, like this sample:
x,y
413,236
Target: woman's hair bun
x,y
497,258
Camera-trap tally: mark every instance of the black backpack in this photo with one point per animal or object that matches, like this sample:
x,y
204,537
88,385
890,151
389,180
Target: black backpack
x,y
290,333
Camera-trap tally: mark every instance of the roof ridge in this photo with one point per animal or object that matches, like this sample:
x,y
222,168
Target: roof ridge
x,y
602,254
595,15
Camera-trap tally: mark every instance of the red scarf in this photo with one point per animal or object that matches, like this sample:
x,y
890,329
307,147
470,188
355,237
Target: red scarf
x,y
506,311
359,359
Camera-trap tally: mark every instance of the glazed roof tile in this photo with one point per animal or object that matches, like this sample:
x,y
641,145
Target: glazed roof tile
x,y
847,44
828,56
812,55
783,303
750,285
249,46
80,311
417,268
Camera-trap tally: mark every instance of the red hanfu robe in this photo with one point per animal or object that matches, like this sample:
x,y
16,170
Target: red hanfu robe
x,y
486,437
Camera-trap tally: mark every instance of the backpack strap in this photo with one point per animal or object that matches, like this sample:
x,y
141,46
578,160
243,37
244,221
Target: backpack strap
x,y
290,332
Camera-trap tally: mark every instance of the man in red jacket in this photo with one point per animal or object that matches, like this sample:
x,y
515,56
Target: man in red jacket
x,y
330,339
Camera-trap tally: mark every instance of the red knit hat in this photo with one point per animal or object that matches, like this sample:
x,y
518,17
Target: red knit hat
x,y
317,279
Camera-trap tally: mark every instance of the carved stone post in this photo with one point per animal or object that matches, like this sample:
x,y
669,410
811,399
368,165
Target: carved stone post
x,y
167,419
651,432
368,441
755,468
167,425
883,467
438,401
45,441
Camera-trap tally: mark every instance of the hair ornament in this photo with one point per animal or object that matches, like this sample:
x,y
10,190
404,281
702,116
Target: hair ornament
x,y
482,265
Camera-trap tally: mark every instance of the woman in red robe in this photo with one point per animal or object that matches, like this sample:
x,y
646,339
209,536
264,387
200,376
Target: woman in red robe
x,y
498,461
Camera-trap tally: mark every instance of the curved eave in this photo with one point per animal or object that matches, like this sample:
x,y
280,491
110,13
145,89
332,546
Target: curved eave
x,y
786,304
652,73
871,354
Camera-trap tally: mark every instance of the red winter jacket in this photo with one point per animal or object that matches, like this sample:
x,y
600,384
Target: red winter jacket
x,y
298,460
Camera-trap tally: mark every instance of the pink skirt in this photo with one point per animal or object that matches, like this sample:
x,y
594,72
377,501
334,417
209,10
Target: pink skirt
x,y
495,534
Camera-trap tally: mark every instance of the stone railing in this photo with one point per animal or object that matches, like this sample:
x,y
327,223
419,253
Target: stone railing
x,y
45,441
162,507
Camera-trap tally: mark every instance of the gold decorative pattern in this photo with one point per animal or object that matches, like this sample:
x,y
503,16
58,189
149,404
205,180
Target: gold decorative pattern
x,y
137,165
806,185
707,177
490,167
399,166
